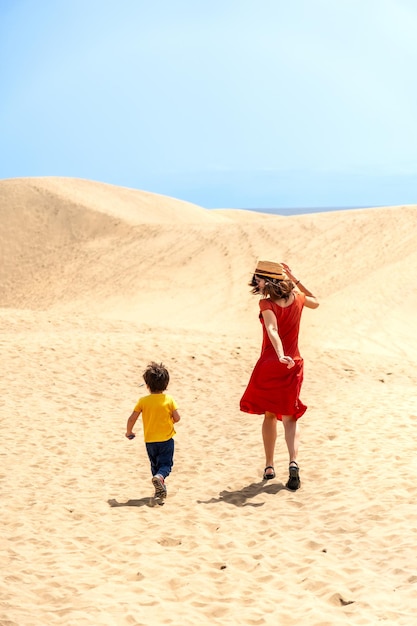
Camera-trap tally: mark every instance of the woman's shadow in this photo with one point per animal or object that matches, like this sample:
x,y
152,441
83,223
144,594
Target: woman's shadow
x,y
240,497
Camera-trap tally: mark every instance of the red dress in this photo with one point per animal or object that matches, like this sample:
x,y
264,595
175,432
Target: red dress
x,y
272,386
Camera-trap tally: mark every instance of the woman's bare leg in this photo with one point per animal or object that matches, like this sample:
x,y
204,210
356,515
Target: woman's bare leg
x,y
292,436
269,435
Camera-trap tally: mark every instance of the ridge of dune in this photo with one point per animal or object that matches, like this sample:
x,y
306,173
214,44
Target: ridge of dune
x,y
131,205
66,244
246,215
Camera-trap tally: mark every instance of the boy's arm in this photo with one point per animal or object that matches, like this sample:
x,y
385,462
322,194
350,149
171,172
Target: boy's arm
x,y
175,416
131,422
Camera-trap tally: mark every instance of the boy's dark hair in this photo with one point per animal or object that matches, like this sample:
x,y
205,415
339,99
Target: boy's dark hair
x,y
274,288
156,377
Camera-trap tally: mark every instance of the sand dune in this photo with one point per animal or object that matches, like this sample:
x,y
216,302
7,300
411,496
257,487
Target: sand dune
x,y
98,280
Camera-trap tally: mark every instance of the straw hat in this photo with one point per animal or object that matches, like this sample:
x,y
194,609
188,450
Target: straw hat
x,y
271,270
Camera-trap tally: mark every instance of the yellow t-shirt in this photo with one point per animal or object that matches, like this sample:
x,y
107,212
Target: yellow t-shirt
x,y
157,409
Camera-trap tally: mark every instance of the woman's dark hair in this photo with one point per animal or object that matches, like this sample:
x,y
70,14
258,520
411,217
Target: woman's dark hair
x,y
274,288
156,377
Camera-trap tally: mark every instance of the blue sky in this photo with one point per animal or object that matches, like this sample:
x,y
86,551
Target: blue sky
x,y
224,103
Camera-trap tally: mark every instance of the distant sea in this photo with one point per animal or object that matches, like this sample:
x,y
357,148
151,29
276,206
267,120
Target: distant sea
x,y
307,210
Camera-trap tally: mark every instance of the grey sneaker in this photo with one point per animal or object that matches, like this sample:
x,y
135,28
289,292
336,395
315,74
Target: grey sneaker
x,y
159,484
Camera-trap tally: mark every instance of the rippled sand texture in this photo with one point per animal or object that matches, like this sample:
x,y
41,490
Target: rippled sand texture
x,y
97,281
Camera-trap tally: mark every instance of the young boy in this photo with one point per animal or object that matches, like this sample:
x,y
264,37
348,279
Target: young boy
x,y
159,413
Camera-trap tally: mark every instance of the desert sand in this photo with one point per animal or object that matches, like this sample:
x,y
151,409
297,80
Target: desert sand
x,y
98,280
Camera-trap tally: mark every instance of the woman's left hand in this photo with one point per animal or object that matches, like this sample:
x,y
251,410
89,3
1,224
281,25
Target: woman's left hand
x,y
288,360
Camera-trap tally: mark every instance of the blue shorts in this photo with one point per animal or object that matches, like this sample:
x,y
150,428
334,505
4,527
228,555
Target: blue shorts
x,y
161,456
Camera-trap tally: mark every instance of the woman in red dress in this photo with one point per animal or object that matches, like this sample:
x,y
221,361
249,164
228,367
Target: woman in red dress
x,y
275,383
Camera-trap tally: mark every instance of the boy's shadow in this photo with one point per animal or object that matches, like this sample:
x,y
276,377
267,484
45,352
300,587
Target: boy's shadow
x,y
141,502
240,497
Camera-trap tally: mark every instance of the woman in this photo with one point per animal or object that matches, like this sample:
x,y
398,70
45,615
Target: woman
x,y
275,383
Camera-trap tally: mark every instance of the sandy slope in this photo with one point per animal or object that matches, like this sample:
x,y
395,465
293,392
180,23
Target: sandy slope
x,y
96,281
